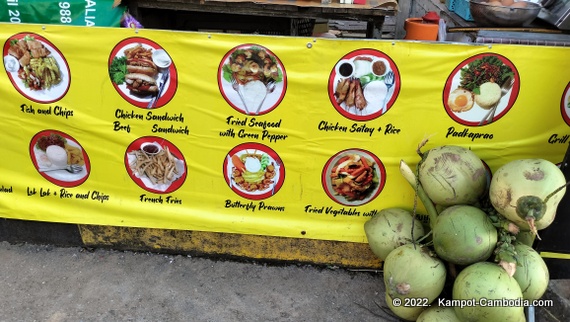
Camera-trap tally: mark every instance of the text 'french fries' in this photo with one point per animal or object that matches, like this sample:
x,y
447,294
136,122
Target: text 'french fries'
x,y
159,169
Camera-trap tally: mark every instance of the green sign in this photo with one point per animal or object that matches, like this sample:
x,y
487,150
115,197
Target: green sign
x,y
88,13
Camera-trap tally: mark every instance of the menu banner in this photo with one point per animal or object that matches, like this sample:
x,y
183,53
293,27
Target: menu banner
x,y
265,135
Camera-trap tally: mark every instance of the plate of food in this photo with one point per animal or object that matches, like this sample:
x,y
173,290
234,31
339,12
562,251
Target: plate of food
x,y
254,171
353,177
59,158
143,73
565,104
155,164
364,84
36,68
481,89
252,79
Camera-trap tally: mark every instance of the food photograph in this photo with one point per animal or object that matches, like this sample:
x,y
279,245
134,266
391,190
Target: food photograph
x,y
36,68
353,177
143,73
254,171
481,90
364,84
252,79
59,158
565,104
155,164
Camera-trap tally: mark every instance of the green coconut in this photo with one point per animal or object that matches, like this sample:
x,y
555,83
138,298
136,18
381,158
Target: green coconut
x,y
484,291
408,313
452,175
438,314
464,235
526,237
532,273
413,271
391,228
527,192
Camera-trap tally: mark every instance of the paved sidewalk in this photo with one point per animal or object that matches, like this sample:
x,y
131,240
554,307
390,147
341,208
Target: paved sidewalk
x,y
53,284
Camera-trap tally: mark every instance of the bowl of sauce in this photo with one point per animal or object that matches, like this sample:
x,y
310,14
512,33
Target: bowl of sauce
x,y
345,68
151,148
11,63
379,67
161,58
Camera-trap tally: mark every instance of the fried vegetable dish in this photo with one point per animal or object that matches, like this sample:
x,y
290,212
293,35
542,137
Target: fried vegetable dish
x,y
354,177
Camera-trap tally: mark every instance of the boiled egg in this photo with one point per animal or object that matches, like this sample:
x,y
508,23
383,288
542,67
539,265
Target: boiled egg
x,y
252,164
460,100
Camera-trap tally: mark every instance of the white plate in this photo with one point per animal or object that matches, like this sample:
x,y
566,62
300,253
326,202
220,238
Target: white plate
x,y
341,199
275,179
159,187
477,113
373,96
60,175
55,92
232,96
123,87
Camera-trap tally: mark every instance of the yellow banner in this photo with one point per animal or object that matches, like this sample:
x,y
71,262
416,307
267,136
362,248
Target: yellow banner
x,y
277,136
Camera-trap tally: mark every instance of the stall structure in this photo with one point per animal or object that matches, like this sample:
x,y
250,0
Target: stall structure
x,y
277,17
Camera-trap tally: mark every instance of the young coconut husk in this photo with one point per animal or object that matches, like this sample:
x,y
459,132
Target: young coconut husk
x,y
391,228
464,235
438,314
413,271
487,293
420,193
532,273
527,192
452,175
408,313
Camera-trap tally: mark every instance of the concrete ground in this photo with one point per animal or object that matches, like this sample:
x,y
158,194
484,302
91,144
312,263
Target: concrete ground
x,y
54,284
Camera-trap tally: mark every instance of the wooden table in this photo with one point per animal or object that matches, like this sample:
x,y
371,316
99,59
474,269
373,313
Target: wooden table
x,y
372,11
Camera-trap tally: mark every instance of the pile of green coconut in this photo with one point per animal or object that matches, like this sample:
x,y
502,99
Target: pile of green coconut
x,y
471,257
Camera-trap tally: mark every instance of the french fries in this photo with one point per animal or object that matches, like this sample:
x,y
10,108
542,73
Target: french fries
x,y
46,68
138,52
159,169
74,155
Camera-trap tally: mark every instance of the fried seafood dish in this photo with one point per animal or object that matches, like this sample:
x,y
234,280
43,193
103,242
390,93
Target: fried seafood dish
x,y
353,177
38,68
251,64
252,171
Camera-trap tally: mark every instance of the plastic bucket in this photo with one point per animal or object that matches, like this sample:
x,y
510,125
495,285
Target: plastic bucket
x,y
416,29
